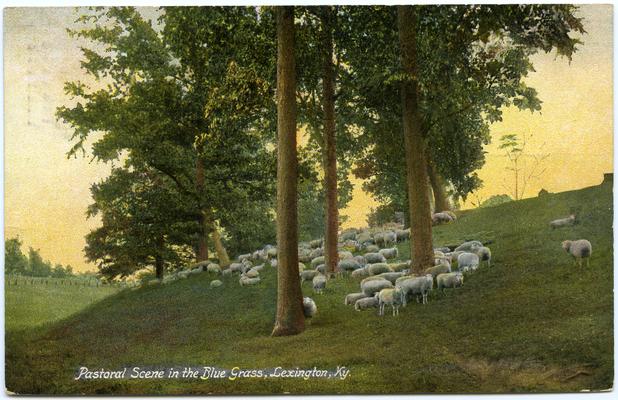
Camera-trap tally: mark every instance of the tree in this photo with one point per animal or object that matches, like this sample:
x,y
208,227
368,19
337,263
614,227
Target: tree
x,y
414,143
290,319
515,150
36,265
15,262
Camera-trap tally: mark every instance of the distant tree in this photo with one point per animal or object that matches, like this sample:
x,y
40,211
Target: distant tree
x,y
524,172
15,262
36,266
496,200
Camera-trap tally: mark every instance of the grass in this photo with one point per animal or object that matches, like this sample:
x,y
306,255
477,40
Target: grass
x,y
530,323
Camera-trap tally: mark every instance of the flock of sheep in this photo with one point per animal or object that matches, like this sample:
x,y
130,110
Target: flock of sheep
x,y
383,282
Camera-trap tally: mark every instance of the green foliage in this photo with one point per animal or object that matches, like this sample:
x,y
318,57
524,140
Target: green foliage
x,y
496,200
15,262
383,214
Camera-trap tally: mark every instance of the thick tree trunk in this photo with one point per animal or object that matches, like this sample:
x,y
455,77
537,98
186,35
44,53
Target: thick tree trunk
x,y
159,267
224,259
330,157
202,242
437,186
290,319
416,164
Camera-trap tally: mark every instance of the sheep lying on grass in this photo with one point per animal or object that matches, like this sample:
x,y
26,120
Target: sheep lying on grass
x,y
366,303
390,297
558,223
351,298
309,307
579,249
215,283
213,268
450,280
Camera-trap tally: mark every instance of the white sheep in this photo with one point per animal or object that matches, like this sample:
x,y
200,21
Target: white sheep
x,y
213,268
558,223
349,264
390,297
450,280
360,273
379,268
391,276
373,258
416,286
484,254
309,307
351,298
319,283
197,270
344,255
402,234
215,283
404,277
243,257
441,218
317,261
438,269
366,303
389,253
246,281
467,261
274,262
398,267
372,286
371,248
252,273
579,249
308,275
226,272
467,246
236,267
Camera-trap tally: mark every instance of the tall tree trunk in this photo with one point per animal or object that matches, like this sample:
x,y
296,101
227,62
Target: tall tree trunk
x,y
437,186
202,242
290,319
416,164
330,155
159,266
224,259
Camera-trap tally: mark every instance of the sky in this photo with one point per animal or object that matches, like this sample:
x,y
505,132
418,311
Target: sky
x,y
46,194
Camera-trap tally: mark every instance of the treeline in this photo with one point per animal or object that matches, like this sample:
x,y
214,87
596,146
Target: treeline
x,y
31,264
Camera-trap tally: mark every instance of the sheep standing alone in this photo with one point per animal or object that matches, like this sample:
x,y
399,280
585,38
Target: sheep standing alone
x,y
309,307
579,249
390,297
319,283
451,280
558,223
215,283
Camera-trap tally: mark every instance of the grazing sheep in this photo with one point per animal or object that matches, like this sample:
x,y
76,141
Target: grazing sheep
x,y
348,234
389,253
484,254
404,277
213,268
372,286
251,273
579,249
416,286
450,280
558,223
274,262
451,214
314,244
467,246
391,276
319,283
371,278
438,269
344,255
360,260
390,297
271,252
366,303
308,275
215,283
183,274
398,267
304,255
246,281
259,268
316,252
226,272
402,235
321,268
236,267
364,238
378,268
309,307
202,264
443,250
385,239
360,273
467,261
351,298
371,248
441,218
198,270
373,258
317,261
349,264
243,257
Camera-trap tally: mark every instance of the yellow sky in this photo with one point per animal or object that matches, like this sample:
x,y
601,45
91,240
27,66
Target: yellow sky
x,y
46,195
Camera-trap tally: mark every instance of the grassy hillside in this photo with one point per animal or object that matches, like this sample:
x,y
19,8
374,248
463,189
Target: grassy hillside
x,y
29,306
531,322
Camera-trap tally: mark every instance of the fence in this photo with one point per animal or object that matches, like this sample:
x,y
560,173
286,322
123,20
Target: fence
x,y
21,280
